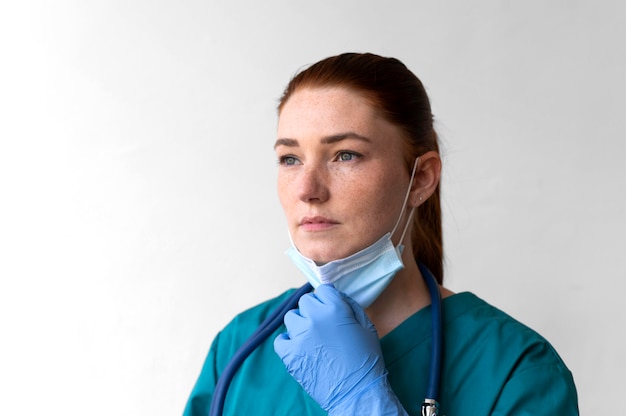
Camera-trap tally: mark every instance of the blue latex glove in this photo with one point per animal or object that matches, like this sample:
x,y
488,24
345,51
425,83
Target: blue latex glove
x,y
332,349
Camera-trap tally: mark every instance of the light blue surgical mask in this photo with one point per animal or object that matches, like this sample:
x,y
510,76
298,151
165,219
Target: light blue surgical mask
x,y
365,274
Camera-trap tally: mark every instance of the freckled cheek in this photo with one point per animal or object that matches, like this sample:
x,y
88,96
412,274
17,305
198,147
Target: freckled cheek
x,y
373,199
357,194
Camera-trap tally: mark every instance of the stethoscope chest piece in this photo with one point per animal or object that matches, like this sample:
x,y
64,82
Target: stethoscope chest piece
x,y
430,407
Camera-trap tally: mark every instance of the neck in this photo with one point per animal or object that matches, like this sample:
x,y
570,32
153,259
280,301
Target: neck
x,y
406,294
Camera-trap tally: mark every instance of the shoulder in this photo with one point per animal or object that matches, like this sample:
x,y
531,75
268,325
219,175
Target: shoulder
x,y
225,344
473,320
472,313
257,313
246,322
503,356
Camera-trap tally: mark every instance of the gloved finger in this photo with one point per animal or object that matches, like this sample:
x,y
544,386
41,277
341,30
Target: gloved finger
x,y
281,345
329,295
308,303
294,322
359,313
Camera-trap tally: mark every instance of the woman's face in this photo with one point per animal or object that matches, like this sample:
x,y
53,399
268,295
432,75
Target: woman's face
x,y
341,177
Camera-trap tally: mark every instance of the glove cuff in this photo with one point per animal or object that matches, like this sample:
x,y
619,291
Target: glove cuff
x,y
377,399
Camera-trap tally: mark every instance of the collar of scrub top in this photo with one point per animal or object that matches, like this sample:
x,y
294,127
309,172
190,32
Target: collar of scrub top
x,y
430,406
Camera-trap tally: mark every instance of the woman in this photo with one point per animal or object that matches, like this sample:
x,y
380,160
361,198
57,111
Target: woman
x,y
358,167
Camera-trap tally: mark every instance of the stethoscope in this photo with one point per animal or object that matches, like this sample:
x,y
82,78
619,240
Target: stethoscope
x,y
430,406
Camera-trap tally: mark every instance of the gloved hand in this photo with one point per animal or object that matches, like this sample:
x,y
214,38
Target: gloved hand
x,y
332,349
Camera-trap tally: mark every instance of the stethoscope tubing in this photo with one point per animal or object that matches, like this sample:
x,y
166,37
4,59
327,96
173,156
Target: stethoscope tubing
x,y
436,352
267,327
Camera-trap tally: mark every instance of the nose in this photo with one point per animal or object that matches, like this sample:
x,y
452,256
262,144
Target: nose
x,y
313,184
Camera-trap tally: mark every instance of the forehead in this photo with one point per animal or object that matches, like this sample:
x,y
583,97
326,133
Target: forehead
x,y
327,111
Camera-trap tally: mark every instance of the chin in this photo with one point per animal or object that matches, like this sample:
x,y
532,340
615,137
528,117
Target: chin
x,y
325,255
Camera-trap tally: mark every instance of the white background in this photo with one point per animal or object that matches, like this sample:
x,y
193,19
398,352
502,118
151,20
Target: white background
x,y
137,179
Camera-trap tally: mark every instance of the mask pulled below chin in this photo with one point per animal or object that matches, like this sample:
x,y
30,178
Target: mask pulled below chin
x,y
363,275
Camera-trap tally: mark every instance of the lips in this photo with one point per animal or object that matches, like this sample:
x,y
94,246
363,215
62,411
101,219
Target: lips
x,y
317,223
317,220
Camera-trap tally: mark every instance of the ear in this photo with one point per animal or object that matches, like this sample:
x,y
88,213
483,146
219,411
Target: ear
x,y
426,178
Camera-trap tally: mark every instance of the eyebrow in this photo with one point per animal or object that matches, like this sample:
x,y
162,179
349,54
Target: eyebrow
x,y
325,140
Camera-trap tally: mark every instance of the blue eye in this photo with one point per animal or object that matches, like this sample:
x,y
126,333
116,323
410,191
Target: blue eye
x,y
287,160
345,156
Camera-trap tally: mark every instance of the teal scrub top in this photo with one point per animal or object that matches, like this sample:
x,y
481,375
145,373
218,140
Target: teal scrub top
x,y
492,365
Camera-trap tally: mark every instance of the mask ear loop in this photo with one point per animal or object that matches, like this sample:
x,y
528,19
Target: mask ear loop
x,y
406,198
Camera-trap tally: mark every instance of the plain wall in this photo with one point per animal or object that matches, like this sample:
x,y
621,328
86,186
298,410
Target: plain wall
x,y
138,212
